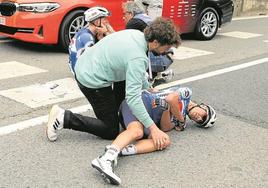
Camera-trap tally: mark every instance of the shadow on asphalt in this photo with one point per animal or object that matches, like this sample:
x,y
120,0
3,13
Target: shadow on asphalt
x,y
28,46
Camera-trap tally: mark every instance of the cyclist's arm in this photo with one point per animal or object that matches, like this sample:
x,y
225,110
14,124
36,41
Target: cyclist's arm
x,y
165,123
174,102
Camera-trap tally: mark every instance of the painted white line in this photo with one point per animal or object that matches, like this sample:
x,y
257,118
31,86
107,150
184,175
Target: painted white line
x,y
43,94
249,17
265,41
241,35
43,119
186,53
15,69
36,121
214,73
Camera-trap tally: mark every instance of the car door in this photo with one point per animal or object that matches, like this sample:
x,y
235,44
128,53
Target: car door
x,y
183,12
115,7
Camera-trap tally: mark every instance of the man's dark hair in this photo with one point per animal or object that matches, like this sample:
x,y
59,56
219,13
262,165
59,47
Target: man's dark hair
x,y
164,31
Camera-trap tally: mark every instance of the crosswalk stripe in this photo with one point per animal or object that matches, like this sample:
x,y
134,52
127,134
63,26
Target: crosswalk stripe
x,y
241,35
249,17
38,95
186,53
13,69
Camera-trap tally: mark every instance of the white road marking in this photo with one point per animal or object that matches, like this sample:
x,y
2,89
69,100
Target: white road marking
x,y
186,53
214,73
36,121
249,17
15,69
43,94
241,35
265,41
43,119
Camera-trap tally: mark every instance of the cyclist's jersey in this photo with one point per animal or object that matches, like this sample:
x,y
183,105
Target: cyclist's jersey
x,y
156,111
82,39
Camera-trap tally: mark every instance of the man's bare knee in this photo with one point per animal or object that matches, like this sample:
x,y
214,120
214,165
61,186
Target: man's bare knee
x,y
136,129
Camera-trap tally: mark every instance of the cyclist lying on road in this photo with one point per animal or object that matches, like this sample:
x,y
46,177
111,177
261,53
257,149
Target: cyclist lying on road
x,y
168,109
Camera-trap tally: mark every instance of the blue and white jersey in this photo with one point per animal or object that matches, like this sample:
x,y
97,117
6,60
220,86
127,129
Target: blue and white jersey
x,y
82,39
160,63
185,94
155,110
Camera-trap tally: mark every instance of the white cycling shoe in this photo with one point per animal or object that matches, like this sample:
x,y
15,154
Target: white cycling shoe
x,y
105,167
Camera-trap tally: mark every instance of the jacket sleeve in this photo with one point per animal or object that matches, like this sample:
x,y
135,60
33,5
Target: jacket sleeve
x,y
135,76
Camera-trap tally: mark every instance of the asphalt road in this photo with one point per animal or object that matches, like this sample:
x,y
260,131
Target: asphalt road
x,y
234,153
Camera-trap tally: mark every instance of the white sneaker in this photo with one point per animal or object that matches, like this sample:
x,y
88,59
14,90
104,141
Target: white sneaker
x,y
115,162
55,122
105,167
167,75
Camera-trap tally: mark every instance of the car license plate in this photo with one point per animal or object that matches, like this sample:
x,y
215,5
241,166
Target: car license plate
x,y
2,21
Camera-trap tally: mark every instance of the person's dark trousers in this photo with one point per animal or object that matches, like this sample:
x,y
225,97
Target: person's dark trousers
x,y
105,103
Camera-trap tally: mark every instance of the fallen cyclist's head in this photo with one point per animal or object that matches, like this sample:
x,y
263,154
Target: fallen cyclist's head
x,y
204,115
161,35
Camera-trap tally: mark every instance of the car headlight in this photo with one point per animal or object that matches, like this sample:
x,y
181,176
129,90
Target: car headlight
x,y
38,7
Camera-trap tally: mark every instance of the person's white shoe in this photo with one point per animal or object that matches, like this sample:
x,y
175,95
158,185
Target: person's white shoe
x,y
167,75
55,122
105,167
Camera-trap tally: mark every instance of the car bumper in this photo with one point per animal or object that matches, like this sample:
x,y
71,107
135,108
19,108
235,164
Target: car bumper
x,y
31,27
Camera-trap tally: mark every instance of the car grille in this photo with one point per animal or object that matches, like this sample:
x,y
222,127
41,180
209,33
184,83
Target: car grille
x,y
13,30
7,8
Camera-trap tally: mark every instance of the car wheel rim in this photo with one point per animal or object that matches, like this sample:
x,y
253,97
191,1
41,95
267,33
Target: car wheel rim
x,y
76,25
209,24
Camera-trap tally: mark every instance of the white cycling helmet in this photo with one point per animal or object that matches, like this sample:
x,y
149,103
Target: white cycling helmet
x,y
96,12
210,118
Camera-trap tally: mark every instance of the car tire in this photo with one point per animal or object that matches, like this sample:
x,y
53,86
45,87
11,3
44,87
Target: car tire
x,y
207,24
69,26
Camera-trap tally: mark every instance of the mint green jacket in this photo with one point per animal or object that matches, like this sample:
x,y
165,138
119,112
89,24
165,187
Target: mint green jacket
x,y
117,57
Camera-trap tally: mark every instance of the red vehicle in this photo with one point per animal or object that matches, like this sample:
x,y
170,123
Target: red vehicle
x,y
56,21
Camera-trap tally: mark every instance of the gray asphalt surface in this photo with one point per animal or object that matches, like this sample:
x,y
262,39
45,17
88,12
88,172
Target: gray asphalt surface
x,y
234,153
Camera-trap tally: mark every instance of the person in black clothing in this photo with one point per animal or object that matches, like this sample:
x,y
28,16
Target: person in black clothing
x,y
136,18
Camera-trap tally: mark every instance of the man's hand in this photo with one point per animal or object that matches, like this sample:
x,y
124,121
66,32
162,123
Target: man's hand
x,y
159,137
153,90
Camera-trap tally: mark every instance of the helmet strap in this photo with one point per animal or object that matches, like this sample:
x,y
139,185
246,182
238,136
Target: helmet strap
x,y
99,23
200,106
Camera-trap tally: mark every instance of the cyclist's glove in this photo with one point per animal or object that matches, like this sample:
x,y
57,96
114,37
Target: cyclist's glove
x,y
160,102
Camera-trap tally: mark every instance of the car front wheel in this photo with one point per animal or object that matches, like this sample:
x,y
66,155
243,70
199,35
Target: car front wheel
x,y
207,24
73,22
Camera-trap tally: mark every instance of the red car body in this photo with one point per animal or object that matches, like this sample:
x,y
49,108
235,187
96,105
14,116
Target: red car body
x,y
55,27
45,27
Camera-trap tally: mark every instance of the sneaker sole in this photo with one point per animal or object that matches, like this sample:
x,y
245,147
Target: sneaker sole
x,y
105,176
